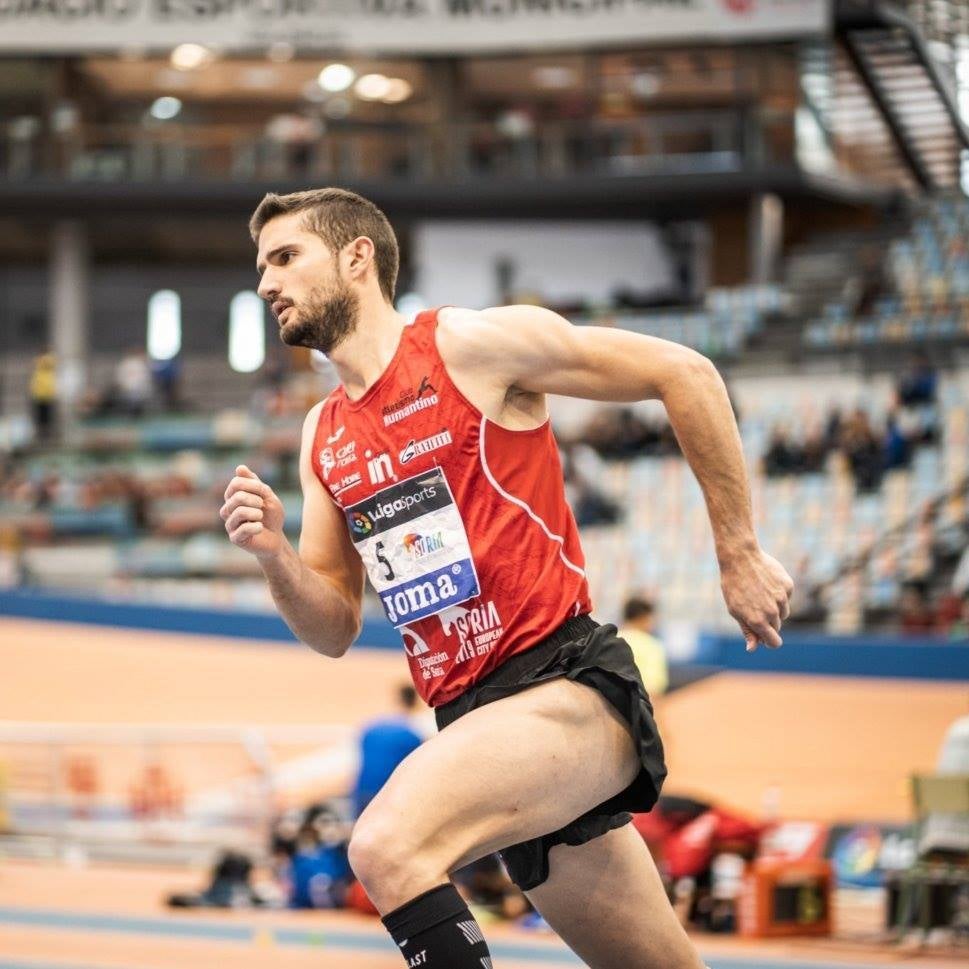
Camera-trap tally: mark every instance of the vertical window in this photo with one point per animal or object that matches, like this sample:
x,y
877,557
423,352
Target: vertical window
x,y
962,81
164,325
247,332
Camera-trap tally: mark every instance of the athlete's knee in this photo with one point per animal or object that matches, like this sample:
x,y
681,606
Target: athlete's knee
x,y
370,849
382,852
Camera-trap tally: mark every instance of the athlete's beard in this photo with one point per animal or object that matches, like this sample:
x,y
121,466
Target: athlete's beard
x,y
323,320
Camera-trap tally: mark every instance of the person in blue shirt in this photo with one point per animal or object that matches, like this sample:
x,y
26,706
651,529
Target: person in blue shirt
x,y
319,871
384,743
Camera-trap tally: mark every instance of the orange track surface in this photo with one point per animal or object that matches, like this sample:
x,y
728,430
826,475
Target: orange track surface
x,y
830,749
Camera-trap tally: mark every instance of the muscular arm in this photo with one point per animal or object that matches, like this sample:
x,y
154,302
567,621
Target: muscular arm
x,y
318,590
534,351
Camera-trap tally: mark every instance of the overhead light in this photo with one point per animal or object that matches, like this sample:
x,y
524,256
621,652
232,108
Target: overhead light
x,y
336,77
24,127
554,77
281,51
372,87
189,57
645,85
514,124
64,117
397,90
166,108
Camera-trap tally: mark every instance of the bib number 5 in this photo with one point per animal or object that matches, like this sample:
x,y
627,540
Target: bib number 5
x,y
384,561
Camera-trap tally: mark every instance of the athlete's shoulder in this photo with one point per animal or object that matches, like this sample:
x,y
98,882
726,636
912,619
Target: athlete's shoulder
x,y
461,334
501,337
478,336
457,321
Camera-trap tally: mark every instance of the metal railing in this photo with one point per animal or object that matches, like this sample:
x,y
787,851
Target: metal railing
x,y
197,786
701,141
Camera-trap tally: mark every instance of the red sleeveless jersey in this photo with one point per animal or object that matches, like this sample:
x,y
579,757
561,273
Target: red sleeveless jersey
x,y
462,524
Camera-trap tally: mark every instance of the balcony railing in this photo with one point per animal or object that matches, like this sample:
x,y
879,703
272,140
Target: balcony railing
x,y
710,141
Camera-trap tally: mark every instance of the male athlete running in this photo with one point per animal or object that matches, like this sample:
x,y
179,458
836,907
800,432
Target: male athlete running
x,y
433,469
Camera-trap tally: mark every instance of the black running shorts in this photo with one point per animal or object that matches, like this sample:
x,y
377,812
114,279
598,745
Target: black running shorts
x,y
594,655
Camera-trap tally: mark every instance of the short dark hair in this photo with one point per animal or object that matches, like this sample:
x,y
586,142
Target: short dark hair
x,y
636,607
337,217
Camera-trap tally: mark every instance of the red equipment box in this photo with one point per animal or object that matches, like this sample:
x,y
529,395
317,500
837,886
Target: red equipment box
x,y
782,897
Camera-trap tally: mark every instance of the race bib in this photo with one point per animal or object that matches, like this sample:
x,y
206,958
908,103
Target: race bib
x,y
413,543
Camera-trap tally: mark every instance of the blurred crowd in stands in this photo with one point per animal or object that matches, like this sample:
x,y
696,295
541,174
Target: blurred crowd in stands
x,y
145,466
869,448
146,488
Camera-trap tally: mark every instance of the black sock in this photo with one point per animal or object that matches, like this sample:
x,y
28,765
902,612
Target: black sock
x,y
437,930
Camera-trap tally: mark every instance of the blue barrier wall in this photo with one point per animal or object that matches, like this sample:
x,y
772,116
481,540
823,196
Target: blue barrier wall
x,y
206,622
883,656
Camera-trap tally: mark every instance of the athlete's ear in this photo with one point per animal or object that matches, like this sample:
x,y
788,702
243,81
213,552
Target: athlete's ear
x,y
358,257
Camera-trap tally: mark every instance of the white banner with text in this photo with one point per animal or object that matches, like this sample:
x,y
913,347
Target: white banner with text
x,y
395,26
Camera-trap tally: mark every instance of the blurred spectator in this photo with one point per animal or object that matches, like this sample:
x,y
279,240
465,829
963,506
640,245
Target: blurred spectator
x,y
132,383
620,433
918,385
814,451
946,834
949,615
872,282
43,396
583,470
914,615
319,873
781,457
863,451
229,886
167,378
384,743
917,391
960,578
12,566
296,135
639,617
898,447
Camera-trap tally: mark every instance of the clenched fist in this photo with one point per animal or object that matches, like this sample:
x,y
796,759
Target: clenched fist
x,y
253,515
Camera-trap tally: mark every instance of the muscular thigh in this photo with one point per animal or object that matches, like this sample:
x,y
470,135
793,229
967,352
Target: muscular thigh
x,y
509,771
605,898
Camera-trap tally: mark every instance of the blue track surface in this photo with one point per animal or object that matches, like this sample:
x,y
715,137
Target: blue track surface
x,y
181,928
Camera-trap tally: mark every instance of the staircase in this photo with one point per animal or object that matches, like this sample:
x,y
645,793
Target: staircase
x,y
890,94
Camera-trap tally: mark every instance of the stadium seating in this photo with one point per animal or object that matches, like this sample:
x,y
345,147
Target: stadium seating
x,y
927,297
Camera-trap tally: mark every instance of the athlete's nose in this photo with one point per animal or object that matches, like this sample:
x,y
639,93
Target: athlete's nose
x,y
268,287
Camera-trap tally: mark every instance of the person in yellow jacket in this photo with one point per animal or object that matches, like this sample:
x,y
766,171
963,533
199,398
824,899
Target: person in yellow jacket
x,y
43,395
639,617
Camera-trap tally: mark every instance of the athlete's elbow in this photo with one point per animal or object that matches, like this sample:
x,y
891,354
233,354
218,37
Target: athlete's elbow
x,y
698,366
330,647
690,371
335,641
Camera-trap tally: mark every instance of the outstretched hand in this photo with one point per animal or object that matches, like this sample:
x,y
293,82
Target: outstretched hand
x,y
757,590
